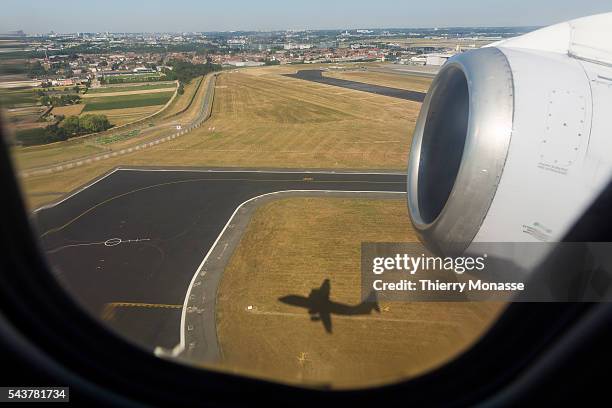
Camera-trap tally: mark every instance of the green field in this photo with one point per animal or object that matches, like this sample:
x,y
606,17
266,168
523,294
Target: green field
x,y
13,98
127,101
123,79
108,89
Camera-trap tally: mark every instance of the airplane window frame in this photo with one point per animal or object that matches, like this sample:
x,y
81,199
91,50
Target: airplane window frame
x,y
73,346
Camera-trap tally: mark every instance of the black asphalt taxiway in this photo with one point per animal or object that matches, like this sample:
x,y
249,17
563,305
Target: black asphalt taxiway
x,y
315,75
127,246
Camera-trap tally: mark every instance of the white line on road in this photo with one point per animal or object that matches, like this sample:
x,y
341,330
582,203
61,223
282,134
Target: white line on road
x,y
179,348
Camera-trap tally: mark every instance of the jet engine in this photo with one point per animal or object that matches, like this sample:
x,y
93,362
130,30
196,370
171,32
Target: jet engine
x,y
514,140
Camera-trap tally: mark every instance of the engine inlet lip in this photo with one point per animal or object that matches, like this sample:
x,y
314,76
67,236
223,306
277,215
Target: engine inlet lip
x,y
489,130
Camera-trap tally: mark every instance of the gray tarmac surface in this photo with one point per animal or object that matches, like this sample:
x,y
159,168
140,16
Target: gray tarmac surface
x,y
316,75
128,246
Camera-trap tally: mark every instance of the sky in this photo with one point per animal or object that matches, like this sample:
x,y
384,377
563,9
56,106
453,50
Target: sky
x,y
65,16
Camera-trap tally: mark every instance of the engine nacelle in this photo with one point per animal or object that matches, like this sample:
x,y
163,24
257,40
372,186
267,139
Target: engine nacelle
x,y
514,140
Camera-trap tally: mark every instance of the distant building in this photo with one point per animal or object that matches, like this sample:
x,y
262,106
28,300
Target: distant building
x,y
143,70
63,82
418,60
437,59
245,63
292,46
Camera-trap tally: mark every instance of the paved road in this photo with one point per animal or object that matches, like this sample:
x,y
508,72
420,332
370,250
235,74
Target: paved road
x,y
128,246
315,75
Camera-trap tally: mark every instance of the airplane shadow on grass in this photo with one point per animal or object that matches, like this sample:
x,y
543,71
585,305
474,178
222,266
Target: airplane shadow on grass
x,y
320,307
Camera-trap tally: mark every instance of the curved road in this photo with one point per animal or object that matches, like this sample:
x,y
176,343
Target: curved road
x,y
132,246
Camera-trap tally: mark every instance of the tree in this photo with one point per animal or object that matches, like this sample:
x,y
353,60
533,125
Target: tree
x,y
90,123
72,125
94,123
185,71
36,70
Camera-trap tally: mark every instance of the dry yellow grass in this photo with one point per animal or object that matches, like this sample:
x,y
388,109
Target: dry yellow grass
x,y
120,117
269,120
40,156
401,81
290,247
70,110
123,93
263,119
183,101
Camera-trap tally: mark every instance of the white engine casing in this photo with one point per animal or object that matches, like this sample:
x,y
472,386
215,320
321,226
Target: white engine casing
x,y
514,140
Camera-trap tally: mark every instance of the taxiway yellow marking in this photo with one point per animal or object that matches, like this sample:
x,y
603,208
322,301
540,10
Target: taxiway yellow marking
x,y
302,359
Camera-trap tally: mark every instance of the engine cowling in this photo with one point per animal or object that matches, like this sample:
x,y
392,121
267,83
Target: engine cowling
x,y
514,140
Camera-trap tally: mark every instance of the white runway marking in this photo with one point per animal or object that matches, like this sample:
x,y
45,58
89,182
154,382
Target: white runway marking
x,y
108,243
112,242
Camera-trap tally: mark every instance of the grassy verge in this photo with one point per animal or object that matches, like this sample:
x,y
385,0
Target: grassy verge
x,y
290,247
179,105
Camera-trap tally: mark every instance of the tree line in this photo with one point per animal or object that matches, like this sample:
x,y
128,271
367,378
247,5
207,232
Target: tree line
x,y
64,129
185,71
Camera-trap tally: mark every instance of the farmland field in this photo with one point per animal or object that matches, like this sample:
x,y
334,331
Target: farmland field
x,y
14,98
122,88
124,79
69,110
120,117
24,116
127,101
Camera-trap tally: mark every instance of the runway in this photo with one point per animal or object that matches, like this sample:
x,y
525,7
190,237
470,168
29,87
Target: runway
x,y
128,246
315,75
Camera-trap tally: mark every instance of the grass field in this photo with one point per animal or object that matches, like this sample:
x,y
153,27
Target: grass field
x,y
15,98
122,88
183,103
263,119
401,81
26,115
274,121
69,110
127,101
290,247
120,117
124,79
41,155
